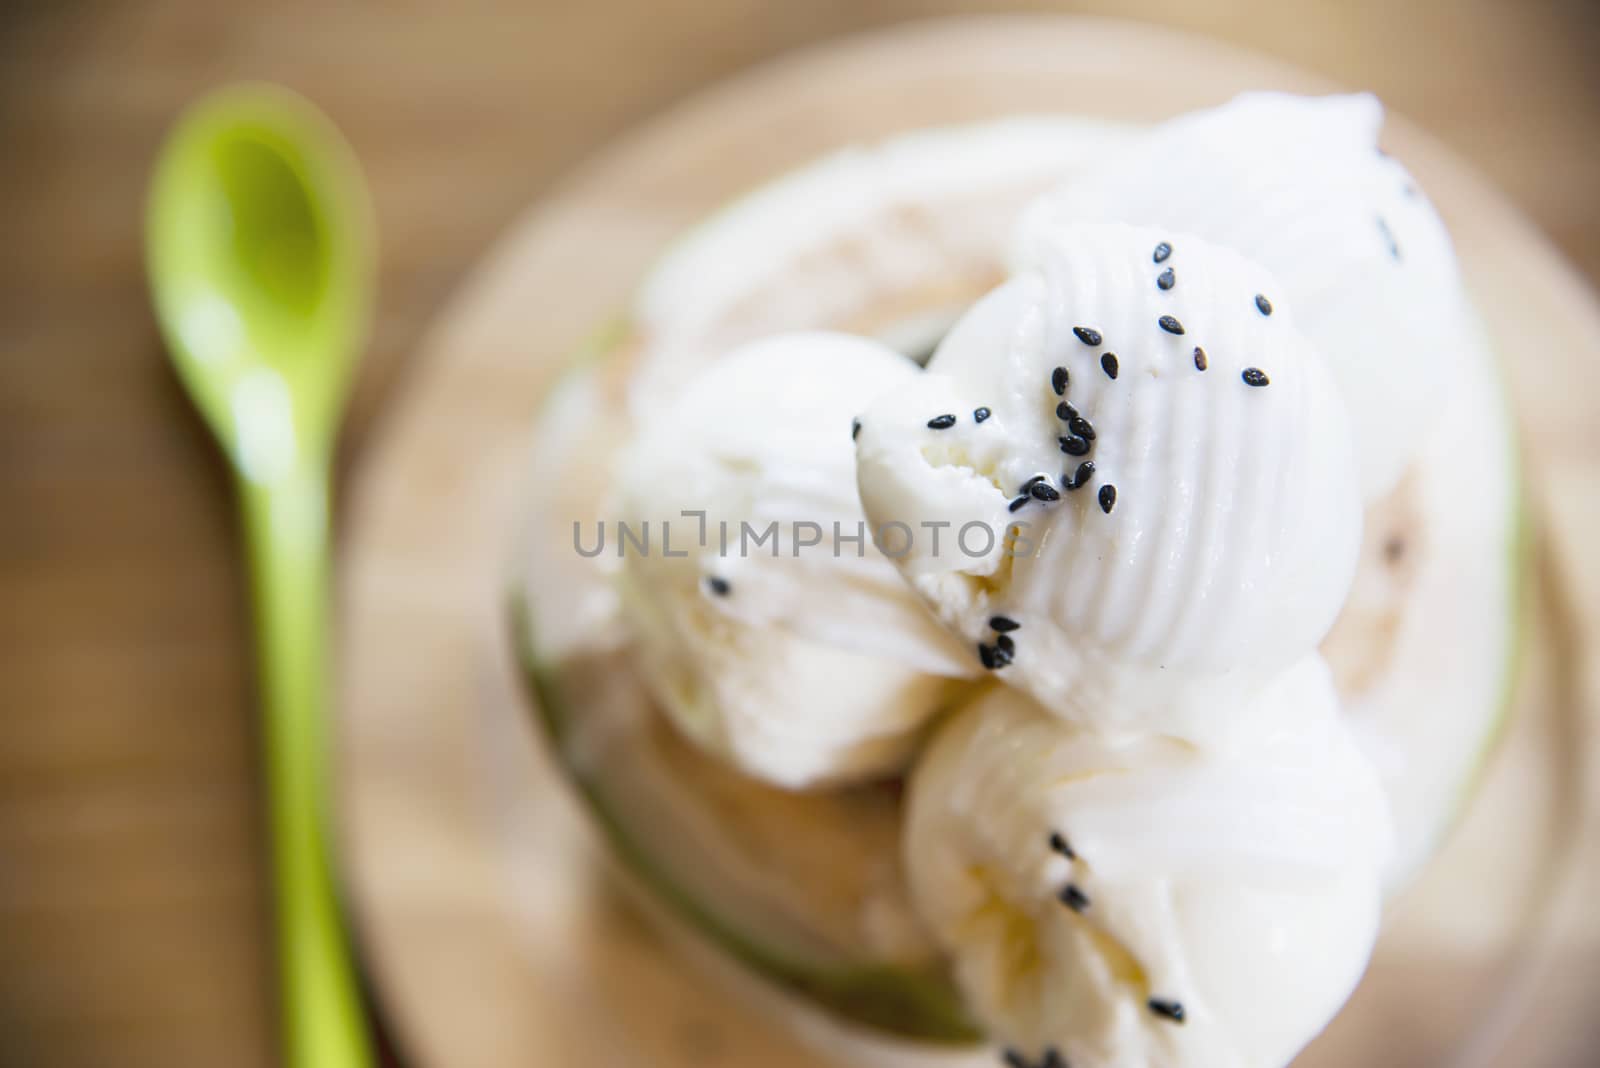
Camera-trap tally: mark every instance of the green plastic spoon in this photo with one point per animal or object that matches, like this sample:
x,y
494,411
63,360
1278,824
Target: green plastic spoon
x,y
259,247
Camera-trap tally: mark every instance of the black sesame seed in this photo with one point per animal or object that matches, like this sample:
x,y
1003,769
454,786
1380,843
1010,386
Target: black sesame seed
x,y
1170,325
1073,898
1263,305
1066,412
855,429
1254,376
986,656
1002,654
1163,250
1087,335
1028,485
1082,475
979,414
1017,503
1172,1010
1058,843
718,585
1043,491
1166,279
1005,644
1014,1058
1108,364
1058,380
1199,358
1081,427
942,422
1108,498
1074,446
1388,238
1003,624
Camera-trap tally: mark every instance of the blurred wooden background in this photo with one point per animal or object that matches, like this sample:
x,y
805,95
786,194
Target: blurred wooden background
x,y
132,904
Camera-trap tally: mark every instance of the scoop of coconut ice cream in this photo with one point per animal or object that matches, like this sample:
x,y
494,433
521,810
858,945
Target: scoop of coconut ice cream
x,y
1298,185
1166,473
771,629
1144,902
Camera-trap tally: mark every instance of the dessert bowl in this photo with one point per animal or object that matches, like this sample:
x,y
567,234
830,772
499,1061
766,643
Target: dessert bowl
x,y
798,893
805,887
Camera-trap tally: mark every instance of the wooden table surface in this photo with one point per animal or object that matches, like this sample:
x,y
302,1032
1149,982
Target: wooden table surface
x,y
132,901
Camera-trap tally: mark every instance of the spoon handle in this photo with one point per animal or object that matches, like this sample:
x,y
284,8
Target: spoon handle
x,y
286,528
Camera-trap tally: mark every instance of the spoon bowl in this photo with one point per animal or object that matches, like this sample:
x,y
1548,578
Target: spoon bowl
x,y
259,244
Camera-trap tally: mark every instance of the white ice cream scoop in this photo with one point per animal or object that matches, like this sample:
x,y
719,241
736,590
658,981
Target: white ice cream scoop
x,y
772,630
1168,473
1298,185
1143,902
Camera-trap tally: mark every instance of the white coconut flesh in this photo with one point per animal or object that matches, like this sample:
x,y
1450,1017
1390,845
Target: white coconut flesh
x,y
894,242
1424,648
891,241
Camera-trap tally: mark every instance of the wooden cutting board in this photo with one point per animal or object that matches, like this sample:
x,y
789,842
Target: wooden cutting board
x,y
479,891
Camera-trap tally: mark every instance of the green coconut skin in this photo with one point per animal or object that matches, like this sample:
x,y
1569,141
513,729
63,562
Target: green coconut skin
x,y
909,1004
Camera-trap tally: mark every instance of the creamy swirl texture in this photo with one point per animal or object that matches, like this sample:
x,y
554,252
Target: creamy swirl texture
x,y
1170,469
